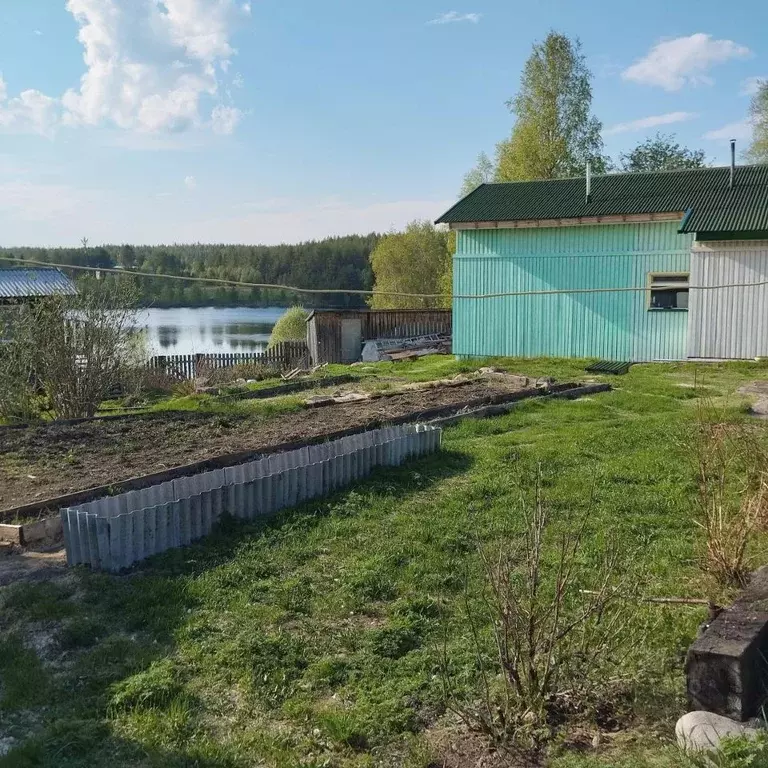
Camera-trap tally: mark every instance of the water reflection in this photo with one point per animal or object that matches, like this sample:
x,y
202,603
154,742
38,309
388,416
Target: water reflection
x,y
167,336
187,331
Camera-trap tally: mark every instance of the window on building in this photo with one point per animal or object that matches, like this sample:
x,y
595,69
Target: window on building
x,y
668,291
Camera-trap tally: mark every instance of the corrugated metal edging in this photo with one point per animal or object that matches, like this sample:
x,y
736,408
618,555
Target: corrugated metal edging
x,y
27,283
611,326
729,323
114,533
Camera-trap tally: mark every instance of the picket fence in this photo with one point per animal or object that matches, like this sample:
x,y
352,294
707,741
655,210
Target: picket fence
x,y
115,532
284,356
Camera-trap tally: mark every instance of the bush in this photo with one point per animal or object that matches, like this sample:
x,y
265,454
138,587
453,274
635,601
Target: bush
x,y
546,630
254,371
76,349
18,400
292,326
732,498
735,753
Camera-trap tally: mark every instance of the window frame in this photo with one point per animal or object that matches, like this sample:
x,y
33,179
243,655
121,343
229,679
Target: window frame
x,y
652,276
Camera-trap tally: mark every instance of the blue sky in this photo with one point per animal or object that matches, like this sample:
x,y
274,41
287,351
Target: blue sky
x,y
281,120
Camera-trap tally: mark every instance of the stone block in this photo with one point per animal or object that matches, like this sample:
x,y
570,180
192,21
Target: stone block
x,y
727,666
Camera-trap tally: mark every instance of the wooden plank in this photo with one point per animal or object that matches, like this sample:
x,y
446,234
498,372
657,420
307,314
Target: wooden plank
x,y
634,218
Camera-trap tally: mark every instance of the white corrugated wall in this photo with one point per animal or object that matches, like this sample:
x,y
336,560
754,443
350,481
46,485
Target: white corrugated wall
x,y
729,323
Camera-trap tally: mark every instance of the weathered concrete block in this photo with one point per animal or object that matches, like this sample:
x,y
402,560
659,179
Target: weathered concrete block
x,y
10,533
727,666
42,533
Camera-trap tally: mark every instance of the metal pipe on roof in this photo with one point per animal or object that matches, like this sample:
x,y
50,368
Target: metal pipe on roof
x,y
733,163
589,181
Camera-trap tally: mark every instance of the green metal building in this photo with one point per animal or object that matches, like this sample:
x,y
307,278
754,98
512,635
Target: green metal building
x,y
664,243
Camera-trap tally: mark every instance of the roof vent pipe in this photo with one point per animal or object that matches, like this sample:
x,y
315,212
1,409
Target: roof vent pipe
x,y
589,181
733,163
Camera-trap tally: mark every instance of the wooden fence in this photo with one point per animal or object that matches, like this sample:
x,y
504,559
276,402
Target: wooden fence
x,y
284,356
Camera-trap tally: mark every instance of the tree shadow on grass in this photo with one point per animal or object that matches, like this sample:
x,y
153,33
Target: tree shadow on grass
x,y
398,483
112,661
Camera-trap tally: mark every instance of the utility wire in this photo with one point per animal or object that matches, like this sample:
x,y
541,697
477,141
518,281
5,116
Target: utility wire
x,y
358,292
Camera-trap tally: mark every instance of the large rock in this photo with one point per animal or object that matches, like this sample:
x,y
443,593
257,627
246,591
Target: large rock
x,y
703,731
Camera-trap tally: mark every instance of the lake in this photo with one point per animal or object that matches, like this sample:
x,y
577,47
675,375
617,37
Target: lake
x,y
192,330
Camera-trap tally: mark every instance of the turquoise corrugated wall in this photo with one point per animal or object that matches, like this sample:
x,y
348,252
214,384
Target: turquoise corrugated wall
x,y
612,326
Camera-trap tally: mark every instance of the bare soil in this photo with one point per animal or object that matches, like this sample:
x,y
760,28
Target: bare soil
x,y
42,462
32,566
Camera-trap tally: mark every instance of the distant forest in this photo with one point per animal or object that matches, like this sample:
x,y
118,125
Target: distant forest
x,y
337,262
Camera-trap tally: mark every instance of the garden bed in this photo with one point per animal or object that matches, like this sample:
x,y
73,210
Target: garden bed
x,y
41,464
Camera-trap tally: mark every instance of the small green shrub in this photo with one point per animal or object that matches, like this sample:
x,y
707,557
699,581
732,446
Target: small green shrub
x,y
328,672
155,687
343,728
292,326
396,640
735,753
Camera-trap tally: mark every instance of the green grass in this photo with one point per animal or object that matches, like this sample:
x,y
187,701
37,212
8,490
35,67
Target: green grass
x,y
314,638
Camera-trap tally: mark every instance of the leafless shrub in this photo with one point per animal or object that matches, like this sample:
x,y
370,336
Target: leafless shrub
x,y
18,398
557,623
256,371
184,388
77,347
140,380
732,498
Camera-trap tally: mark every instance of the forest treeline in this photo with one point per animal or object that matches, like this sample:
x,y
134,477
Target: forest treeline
x,y
336,262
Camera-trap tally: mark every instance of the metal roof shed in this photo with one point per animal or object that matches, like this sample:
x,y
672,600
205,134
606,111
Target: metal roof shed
x,y
663,265
19,284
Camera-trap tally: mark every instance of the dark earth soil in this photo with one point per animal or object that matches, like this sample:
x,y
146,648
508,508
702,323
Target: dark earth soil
x,y
42,462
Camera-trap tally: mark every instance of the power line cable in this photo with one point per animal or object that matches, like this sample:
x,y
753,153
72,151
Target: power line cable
x,y
359,292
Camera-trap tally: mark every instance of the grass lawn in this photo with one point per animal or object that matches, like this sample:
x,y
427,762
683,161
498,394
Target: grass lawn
x,y
315,638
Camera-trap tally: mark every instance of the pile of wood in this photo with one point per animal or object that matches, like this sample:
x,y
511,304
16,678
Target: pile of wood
x,y
397,350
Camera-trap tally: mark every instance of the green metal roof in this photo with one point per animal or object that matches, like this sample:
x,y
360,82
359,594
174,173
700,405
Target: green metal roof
x,y
703,194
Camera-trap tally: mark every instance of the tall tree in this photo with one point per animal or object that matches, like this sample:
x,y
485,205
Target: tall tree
x,y
414,261
661,153
555,133
481,173
758,150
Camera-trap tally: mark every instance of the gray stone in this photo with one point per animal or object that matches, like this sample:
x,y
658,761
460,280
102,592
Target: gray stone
x,y
703,731
726,666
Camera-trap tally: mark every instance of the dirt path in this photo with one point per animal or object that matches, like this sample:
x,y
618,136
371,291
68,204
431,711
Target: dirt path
x,y
31,566
42,462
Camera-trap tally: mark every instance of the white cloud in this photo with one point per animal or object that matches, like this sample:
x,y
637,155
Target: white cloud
x,y
149,66
29,112
453,17
159,142
38,32
673,64
650,122
741,130
190,182
224,120
751,85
